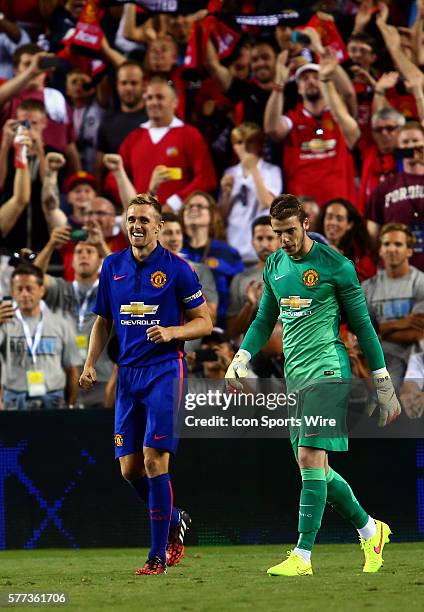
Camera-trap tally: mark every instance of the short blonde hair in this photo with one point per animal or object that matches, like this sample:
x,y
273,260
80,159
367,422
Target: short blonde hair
x,y
249,133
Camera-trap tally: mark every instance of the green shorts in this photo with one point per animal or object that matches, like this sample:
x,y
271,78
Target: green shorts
x,y
320,416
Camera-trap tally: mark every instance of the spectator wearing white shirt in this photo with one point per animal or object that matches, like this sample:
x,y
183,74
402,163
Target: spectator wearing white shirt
x,y
412,391
248,188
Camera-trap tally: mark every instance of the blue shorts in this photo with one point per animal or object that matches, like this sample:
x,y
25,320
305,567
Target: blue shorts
x,y
147,405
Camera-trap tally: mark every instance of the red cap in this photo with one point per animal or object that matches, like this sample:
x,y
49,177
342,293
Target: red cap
x,y
78,178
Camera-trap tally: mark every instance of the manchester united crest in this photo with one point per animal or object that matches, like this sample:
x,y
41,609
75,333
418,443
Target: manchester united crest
x,y
119,440
310,278
158,279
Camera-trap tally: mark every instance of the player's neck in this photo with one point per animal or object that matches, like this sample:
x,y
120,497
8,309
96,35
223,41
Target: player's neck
x,y
140,253
308,243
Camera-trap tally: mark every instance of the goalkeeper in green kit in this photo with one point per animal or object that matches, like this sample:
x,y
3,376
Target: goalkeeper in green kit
x,y
306,284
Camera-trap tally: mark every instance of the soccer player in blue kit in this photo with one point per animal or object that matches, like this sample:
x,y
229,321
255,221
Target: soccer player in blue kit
x,y
146,292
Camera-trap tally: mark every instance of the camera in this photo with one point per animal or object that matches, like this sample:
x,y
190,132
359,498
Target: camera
x,y
78,235
407,153
17,259
203,355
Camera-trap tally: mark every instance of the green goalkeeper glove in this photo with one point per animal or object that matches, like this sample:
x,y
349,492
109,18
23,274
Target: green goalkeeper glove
x,y
387,400
238,369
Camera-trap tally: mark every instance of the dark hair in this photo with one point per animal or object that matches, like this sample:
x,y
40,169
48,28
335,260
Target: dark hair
x,y
285,206
128,63
28,269
31,104
399,227
170,217
357,238
364,38
29,49
264,220
146,199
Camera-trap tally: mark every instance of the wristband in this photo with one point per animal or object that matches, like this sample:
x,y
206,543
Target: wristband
x,y
278,87
325,80
379,93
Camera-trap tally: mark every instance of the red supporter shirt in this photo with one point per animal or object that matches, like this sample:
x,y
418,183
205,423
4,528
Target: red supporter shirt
x,y
177,146
376,168
58,134
316,160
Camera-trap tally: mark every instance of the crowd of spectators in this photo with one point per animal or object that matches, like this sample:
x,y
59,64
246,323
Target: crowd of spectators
x,y
216,108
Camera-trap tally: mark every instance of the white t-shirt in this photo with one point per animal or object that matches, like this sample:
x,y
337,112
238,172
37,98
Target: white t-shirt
x,y
415,369
244,205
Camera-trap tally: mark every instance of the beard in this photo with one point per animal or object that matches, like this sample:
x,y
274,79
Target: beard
x,y
313,96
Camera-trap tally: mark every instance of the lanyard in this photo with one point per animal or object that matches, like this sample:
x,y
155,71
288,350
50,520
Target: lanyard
x,y
32,343
83,306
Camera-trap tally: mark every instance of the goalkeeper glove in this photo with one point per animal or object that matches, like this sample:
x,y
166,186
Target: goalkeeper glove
x,y
387,400
237,369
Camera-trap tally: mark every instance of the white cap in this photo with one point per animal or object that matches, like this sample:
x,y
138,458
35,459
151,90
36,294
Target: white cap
x,y
304,68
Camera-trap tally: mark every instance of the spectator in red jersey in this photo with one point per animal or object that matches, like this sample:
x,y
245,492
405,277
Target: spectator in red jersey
x,y
400,198
29,82
346,231
166,156
379,161
318,134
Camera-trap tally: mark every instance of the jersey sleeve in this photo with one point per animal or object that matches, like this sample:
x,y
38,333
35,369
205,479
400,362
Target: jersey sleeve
x,y
102,307
353,301
189,289
262,326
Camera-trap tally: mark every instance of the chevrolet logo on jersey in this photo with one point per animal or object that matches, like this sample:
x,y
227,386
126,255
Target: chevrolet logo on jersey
x,y
138,309
295,302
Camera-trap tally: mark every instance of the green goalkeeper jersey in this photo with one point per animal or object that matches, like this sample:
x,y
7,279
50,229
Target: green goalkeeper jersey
x,y
308,295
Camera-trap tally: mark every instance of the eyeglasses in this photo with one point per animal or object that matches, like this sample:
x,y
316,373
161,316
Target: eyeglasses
x,y
194,205
388,128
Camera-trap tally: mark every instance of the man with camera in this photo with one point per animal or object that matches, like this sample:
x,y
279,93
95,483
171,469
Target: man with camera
x,y
400,199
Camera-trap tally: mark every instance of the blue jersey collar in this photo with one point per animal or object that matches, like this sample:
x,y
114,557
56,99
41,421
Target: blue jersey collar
x,y
154,256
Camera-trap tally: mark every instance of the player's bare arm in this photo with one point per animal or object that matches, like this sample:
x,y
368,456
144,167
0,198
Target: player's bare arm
x,y
200,324
98,338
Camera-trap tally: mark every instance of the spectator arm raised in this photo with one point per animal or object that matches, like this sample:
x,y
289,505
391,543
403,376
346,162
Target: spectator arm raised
x,y
13,208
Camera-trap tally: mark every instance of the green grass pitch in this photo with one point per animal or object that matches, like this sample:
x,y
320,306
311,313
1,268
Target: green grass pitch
x,y
221,579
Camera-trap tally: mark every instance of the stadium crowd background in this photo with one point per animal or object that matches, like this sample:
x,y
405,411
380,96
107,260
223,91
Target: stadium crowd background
x,y
216,108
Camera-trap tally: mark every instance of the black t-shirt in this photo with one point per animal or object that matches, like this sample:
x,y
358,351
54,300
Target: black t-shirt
x,y
254,99
115,127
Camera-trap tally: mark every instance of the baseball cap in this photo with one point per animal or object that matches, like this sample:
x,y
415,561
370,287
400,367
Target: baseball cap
x,y
304,68
78,178
217,335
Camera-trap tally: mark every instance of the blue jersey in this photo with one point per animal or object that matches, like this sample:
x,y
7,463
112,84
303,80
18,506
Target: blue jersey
x,y
137,295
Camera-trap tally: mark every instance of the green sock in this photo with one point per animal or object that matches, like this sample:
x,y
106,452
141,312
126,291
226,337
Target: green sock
x,y
312,503
340,496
